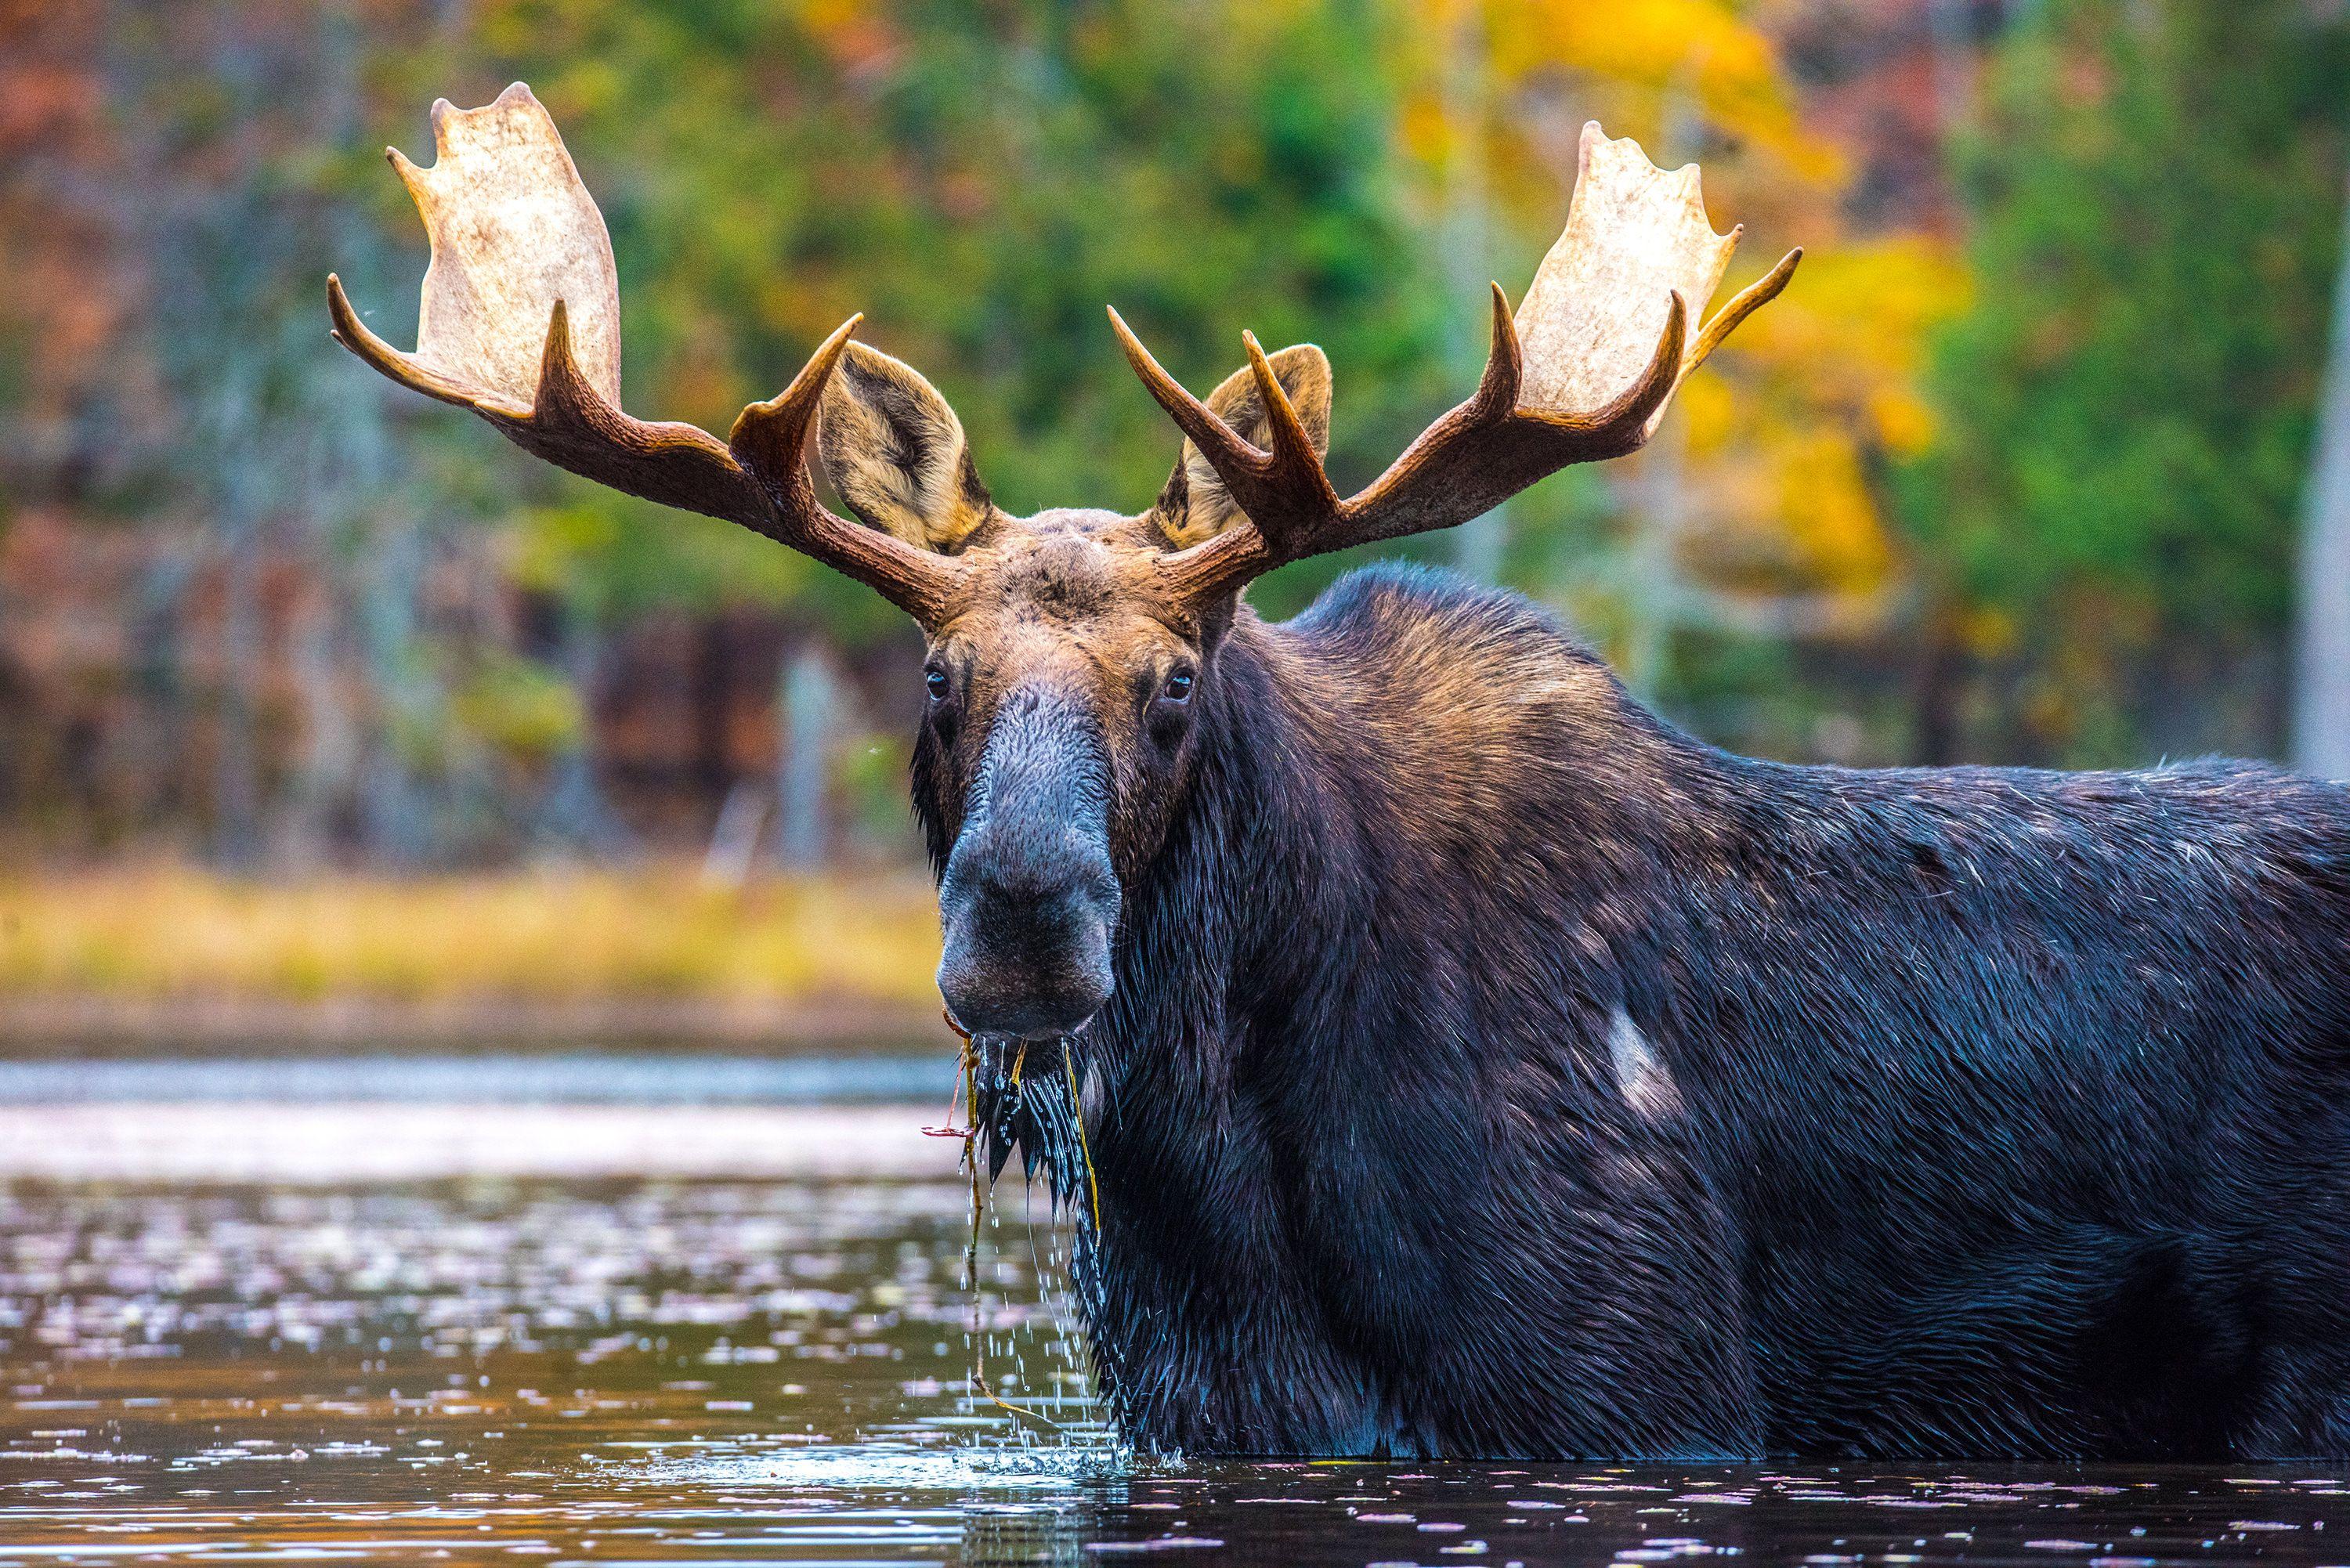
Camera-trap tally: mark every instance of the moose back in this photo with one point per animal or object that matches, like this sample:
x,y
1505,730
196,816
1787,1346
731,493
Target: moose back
x,y
1444,1054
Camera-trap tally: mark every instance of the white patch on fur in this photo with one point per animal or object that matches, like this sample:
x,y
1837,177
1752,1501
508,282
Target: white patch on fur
x,y
1093,1093
1641,1075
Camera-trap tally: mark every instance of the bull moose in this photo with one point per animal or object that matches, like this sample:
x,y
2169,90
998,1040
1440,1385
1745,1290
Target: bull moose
x,y
1466,1061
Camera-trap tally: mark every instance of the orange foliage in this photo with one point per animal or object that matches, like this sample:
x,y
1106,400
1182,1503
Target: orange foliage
x,y
1785,431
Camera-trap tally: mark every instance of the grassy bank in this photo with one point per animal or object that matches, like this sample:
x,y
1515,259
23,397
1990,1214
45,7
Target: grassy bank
x,y
658,950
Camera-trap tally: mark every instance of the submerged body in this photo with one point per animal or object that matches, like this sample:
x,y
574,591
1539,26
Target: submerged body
x,y
1493,1070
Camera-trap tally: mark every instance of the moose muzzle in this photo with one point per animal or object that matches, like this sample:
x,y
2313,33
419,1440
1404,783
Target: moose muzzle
x,y
1030,898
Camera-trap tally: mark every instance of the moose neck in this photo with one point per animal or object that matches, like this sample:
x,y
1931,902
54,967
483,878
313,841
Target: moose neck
x,y
1354,808
1311,981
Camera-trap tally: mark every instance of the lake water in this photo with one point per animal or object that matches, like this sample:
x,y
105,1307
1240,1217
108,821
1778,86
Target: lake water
x,y
714,1311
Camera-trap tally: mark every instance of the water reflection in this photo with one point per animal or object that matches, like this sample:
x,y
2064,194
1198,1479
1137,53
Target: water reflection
x,y
651,1368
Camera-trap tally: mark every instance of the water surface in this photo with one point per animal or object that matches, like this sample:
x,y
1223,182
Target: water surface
x,y
246,1321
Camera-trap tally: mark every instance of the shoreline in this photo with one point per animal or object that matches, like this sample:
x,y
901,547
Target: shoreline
x,y
159,958
68,1026
198,1146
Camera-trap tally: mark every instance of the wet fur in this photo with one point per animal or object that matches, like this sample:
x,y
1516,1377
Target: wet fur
x,y
1972,1112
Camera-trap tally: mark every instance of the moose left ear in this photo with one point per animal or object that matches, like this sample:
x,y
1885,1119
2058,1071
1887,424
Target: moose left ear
x,y
896,452
1195,506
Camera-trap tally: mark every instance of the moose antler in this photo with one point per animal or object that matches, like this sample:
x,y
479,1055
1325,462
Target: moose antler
x,y
1581,373
521,323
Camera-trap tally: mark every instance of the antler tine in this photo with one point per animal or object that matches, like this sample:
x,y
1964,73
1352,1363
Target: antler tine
x,y
517,239
1744,304
1497,388
386,361
1208,432
1284,491
1291,496
770,439
1580,372
1291,444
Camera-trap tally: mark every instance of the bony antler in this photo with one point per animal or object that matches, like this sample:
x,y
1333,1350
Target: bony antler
x,y
1583,372
521,323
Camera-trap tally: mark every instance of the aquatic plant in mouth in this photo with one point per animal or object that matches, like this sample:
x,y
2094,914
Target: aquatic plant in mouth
x,y
1003,1106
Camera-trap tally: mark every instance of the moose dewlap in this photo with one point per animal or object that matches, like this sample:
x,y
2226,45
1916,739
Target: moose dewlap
x,y
1471,1062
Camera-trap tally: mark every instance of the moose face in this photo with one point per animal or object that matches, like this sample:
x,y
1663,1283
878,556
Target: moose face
x,y
1061,681
1054,738
1069,653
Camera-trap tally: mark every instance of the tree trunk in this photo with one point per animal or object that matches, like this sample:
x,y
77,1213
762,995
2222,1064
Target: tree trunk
x,y
236,776
810,706
1936,686
394,816
576,815
2321,743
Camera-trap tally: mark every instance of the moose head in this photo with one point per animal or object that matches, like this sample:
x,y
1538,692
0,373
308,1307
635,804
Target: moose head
x,y
1069,653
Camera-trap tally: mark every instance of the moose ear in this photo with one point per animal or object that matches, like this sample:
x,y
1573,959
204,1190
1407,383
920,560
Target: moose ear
x,y
896,452
1195,506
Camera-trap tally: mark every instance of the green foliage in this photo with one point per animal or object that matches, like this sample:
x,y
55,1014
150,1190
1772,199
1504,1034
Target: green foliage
x,y
2127,407
518,708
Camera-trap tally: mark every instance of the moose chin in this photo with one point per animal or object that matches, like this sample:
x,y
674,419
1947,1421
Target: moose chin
x,y
1445,1054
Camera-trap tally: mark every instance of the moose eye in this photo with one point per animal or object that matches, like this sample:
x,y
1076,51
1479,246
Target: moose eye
x,y
1178,687
935,680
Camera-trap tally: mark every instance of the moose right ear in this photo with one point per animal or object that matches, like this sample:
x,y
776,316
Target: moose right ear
x,y
1195,506
896,452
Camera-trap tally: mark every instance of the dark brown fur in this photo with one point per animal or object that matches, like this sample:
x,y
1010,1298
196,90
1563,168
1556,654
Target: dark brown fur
x,y
1473,1065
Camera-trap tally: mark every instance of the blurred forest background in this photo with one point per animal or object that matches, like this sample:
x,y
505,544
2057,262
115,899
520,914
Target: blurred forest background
x,y
2026,467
